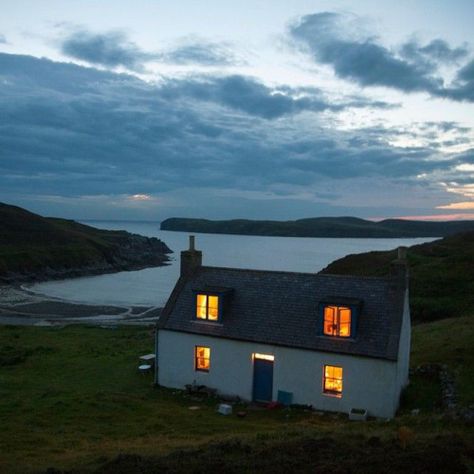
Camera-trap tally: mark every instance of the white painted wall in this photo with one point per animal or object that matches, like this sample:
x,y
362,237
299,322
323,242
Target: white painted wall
x,y
368,383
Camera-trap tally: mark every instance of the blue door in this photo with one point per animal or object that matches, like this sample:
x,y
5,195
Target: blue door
x,y
262,380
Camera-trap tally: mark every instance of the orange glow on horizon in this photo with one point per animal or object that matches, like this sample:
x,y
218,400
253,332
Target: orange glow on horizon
x,y
439,217
458,205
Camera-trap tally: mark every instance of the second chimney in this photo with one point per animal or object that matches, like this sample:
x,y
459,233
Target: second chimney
x,y
399,267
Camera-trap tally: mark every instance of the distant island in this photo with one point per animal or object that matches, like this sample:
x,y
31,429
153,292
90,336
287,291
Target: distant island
x,y
34,248
320,227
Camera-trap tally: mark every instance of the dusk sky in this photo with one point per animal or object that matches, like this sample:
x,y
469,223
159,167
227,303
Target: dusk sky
x,y
253,109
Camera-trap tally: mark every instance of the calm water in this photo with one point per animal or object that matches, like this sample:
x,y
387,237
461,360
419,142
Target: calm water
x,y
152,286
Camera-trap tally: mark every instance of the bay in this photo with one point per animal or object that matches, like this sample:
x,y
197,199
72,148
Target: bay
x,y
152,286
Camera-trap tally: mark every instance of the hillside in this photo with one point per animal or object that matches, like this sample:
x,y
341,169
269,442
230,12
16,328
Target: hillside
x,y
441,275
36,248
320,227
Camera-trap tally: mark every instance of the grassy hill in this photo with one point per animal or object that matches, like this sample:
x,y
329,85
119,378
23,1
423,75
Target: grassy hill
x,y
441,275
35,247
320,227
72,398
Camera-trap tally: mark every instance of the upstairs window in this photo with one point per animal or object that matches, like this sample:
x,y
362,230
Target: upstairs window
x,y
332,380
202,358
207,307
337,321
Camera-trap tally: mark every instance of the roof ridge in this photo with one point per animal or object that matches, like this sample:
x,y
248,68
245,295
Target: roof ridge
x,y
288,272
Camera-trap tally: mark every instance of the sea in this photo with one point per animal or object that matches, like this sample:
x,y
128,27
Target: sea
x,y
152,286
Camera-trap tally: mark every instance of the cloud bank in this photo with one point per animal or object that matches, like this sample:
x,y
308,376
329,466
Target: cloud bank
x,y
354,56
73,131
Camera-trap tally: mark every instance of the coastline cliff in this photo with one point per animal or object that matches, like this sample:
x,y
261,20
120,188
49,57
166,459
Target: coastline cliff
x,y
35,248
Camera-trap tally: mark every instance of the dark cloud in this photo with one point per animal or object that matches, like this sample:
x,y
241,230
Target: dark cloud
x,y
463,88
201,52
437,50
73,131
109,49
446,126
414,68
363,61
114,48
251,96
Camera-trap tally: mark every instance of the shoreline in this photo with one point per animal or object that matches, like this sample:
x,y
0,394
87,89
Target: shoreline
x,y
21,306
66,274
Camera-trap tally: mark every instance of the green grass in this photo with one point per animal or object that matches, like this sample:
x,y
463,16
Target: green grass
x,y
450,342
75,394
441,275
72,397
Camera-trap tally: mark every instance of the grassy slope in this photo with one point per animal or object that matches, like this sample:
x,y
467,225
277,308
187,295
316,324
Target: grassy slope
x,y
73,397
441,275
29,242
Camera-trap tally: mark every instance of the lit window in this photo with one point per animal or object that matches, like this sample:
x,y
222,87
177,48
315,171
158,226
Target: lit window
x,y
337,321
202,358
332,383
207,307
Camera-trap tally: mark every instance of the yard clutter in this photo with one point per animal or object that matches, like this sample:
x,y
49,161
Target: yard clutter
x,y
224,409
144,368
147,362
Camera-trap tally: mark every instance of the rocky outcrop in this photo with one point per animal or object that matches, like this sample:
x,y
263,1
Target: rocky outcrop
x,y
124,252
35,248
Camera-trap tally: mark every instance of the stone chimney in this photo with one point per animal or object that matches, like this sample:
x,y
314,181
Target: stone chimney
x,y
190,259
399,267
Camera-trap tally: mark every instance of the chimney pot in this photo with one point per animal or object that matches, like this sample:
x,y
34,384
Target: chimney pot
x,y
191,259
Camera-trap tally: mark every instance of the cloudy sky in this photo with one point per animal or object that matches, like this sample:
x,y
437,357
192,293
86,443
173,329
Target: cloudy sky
x,y
149,109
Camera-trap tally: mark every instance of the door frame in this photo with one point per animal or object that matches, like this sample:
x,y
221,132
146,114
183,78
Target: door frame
x,y
265,358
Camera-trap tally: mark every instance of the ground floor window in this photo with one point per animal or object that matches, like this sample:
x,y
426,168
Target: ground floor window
x,y
332,380
202,358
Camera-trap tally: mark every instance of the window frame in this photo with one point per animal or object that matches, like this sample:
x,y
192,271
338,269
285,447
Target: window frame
x,y
196,358
336,320
355,307
219,306
329,392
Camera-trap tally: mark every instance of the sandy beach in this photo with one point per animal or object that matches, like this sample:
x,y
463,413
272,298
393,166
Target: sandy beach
x,y
20,306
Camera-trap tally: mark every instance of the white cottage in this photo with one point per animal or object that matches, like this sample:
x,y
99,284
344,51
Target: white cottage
x,y
335,342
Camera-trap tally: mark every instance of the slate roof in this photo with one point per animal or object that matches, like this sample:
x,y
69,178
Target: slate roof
x,y
281,308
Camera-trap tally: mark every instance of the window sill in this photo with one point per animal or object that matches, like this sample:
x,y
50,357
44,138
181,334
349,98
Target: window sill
x,y
333,395
337,338
206,322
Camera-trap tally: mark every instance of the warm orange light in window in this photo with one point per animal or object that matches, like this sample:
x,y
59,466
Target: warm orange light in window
x,y
212,308
207,307
332,380
337,321
201,306
203,358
